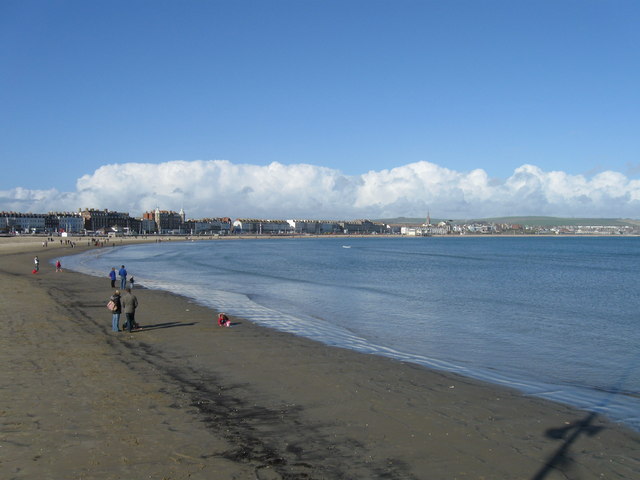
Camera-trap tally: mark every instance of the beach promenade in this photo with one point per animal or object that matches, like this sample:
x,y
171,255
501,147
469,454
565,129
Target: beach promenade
x,y
185,399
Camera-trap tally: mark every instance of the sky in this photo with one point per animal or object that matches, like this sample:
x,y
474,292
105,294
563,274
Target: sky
x,y
332,109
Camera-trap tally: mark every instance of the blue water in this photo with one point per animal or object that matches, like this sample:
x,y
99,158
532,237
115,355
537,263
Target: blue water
x,y
553,317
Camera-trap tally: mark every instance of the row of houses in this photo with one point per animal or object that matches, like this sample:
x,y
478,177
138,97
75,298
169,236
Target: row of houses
x,y
94,221
40,222
309,227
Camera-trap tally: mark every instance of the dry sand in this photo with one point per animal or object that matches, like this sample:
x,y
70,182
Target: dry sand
x,y
185,399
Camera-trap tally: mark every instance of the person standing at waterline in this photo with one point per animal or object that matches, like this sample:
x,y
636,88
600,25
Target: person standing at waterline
x,y
36,263
112,277
123,277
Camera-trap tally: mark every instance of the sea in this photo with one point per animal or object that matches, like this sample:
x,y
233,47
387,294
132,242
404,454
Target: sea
x,y
553,317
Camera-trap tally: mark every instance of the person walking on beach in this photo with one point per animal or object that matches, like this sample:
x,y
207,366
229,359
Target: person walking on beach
x,y
123,277
115,318
58,266
112,276
129,304
36,263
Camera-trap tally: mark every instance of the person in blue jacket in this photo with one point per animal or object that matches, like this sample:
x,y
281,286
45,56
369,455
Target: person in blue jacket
x,y
123,277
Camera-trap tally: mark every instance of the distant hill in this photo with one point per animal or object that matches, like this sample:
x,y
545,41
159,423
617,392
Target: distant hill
x,y
531,221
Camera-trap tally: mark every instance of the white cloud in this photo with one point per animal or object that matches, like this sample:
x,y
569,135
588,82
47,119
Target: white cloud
x,y
220,188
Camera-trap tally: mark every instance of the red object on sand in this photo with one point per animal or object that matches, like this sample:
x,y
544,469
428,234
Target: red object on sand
x,y
223,320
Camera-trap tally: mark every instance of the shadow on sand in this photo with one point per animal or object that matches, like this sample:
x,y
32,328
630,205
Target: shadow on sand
x,y
165,325
561,460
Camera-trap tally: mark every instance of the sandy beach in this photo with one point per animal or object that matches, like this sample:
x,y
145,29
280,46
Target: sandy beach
x,y
185,399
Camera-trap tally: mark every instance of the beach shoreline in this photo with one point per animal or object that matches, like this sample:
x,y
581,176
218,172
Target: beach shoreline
x,y
186,399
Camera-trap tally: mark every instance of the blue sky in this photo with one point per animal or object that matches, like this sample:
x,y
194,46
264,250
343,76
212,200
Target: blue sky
x,y
349,87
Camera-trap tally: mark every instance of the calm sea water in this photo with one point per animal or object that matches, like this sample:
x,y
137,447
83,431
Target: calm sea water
x,y
553,317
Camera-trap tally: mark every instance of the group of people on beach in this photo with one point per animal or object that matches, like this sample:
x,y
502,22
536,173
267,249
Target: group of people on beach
x,y
123,278
127,303
36,265
123,302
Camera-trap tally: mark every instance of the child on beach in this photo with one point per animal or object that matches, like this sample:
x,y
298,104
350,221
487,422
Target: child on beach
x,y
58,266
223,320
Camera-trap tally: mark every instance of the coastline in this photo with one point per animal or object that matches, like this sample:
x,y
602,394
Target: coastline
x,y
186,399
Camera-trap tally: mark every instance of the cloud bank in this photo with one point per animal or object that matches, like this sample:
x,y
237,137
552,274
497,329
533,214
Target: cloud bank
x,y
219,188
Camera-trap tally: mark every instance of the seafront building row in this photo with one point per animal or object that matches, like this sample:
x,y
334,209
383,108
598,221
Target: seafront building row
x,y
91,221
164,222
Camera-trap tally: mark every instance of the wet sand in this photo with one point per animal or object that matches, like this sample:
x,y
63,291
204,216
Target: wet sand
x,y
186,399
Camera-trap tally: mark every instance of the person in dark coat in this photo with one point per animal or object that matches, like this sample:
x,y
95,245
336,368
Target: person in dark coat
x,y
129,304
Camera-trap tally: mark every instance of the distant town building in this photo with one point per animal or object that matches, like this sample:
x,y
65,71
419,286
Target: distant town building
x,y
209,226
314,227
357,227
147,225
65,222
165,221
23,222
105,221
261,227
